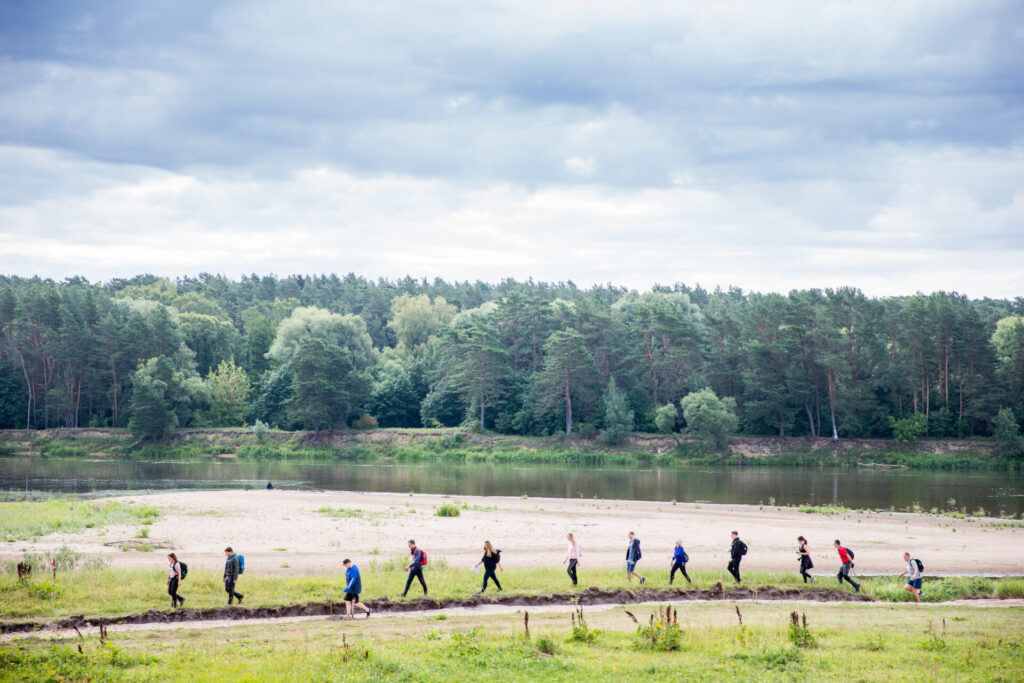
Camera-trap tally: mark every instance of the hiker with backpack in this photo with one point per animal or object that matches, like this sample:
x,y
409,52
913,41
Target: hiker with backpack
x,y
846,557
491,561
633,556
233,568
805,559
573,555
353,587
679,560
415,568
736,552
913,574
175,576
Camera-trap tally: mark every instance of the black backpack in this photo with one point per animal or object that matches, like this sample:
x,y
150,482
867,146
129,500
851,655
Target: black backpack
x,y
743,548
920,565
850,553
184,570
638,553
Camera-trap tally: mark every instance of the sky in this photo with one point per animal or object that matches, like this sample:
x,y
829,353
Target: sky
x,y
768,146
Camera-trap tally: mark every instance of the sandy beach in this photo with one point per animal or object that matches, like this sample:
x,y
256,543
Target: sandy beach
x,y
283,532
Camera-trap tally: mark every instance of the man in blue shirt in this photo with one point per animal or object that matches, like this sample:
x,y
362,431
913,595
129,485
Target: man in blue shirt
x,y
353,586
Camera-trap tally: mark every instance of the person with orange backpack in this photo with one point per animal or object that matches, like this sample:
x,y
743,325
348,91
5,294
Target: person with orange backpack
x,y
415,568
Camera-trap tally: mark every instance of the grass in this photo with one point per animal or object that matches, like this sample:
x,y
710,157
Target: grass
x,y
30,520
852,642
120,591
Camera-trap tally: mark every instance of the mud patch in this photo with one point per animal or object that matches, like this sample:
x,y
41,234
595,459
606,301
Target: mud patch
x,y
589,596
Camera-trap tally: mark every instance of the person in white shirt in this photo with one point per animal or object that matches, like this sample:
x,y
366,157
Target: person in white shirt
x,y
573,555
173,579
913,574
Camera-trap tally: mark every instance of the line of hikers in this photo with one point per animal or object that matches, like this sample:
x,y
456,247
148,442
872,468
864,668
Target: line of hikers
x,y
234,567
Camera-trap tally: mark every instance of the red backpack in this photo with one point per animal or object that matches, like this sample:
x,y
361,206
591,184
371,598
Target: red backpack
x,y
423,562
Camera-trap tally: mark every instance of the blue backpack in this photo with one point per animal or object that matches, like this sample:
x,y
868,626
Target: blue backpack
x,y
241,563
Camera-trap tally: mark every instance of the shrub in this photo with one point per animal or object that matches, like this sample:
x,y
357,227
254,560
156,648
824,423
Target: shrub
x,y
710,418
665,418
618,418
799,634
547,645
907,429
661,634
581,633
260,430
364,421
448,510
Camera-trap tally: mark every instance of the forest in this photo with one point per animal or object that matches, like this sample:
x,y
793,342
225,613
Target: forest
x,y
330,352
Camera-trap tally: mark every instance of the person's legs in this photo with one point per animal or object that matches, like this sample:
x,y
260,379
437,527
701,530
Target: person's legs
x,y
408,582
348,609
672,575
487,575
494,577
363,607
804,574
685,575
571,571
423,582
172,590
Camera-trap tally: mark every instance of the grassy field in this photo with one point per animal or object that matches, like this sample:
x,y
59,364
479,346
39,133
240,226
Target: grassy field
x,y
106,592
30,520
706,642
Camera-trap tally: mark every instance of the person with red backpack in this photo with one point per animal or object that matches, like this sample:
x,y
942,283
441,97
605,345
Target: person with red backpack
x,y
846,557
415,568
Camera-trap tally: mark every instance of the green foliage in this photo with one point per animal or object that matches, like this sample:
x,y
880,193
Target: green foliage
x,y
547,645
799,634
709,417
907,429
260,429
327,384
661,634
448,510
618,418
569,378
1007,433
665,418
30,520
227,389
581,632
364,421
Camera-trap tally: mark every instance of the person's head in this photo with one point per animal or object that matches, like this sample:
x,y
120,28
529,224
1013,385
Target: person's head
x,y
412,544
679,544
801,539
569,537
906,556
837,543
488,548
347,562
735,534
172,557
228,551
631,534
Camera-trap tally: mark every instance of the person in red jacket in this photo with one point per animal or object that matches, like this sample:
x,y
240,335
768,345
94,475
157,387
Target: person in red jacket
x,y
846,557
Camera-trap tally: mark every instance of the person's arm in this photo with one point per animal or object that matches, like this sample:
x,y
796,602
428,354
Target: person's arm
x,y
500,567
348,586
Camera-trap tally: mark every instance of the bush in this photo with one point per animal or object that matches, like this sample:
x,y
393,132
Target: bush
x,y
618,418
907,429
1007,433
260,430
448,510
665,418
364,421
799,634
662,634
710,418
547,645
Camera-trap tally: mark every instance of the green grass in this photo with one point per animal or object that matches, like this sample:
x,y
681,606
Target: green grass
x,y
851,642
31,520
120,591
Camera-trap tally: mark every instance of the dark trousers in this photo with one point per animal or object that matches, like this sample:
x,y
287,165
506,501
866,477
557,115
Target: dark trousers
x,y
489,574
844,573
571,571
417,572
734,568
804,566
229,586
172,590
678,566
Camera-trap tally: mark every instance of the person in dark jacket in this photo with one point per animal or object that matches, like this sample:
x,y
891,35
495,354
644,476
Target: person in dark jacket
x,y
415,568
679,559
173,579
736,552
491,561
632,557
353,587
231,572
805,559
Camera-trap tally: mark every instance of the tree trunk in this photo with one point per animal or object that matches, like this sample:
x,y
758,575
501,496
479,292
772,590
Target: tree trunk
x,y
568,409
810,417
832,410
483,424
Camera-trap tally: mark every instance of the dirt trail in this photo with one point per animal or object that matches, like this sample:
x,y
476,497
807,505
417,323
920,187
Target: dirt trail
x,y
589,596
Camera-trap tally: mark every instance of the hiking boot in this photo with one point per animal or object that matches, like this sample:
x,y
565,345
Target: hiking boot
x,y
643,580
368,611
240,599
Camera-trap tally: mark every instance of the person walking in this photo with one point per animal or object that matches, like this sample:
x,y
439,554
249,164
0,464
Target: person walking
x,y
491,561
415,568
913,574
679,560
736,552
573,555
174,578
353,587
231,574
846,557
633,556
805,559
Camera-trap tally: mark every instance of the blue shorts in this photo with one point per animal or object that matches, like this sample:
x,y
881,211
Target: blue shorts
x,y
630,566
915,583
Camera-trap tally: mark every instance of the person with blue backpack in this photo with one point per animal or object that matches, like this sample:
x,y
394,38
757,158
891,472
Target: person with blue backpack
x,y
353,587
633,556
679,560
233,568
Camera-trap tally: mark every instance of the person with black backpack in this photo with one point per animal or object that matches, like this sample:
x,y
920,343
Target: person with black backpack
x,y
633,556
846,557
736,552
175,576
913,574
679,560
232,570
491,561
415,568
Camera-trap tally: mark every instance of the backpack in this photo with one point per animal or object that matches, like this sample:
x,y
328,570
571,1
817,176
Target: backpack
x,y
241,563
743,548
184,570
920,565
686,558
423,562
850,553
638,553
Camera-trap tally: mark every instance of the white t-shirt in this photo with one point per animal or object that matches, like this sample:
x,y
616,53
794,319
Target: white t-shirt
x,y
173,571
912,570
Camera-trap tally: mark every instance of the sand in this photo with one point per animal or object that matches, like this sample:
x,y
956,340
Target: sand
x,y
282,532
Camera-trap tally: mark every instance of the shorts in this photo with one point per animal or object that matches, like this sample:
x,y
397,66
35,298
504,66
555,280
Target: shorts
x,y
915,583
630,566
351,597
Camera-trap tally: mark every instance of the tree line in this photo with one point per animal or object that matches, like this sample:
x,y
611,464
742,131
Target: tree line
x,y
326,352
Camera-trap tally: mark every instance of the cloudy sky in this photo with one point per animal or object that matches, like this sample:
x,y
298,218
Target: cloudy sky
x,y
765,145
